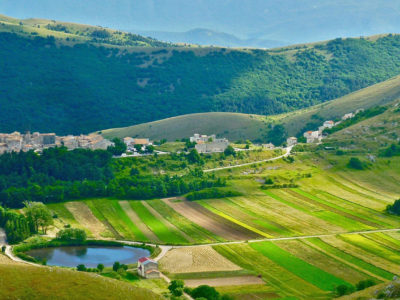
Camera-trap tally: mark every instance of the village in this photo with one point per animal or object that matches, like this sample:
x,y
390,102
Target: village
x,y
15,142
140,146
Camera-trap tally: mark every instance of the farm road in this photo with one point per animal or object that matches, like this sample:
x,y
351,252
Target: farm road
x,y
166,248
288,150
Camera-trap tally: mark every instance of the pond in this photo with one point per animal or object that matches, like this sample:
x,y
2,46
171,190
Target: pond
x,y
90,256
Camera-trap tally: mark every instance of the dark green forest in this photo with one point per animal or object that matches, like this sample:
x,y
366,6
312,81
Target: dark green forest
x,y
60,175
49,87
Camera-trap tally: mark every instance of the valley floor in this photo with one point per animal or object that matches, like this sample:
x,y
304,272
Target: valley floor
x,y
329,229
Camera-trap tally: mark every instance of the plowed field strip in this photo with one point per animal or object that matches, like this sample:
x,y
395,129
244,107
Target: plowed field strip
x,y
210,221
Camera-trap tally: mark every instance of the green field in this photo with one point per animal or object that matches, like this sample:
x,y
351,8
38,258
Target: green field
x,y
308,272
156,225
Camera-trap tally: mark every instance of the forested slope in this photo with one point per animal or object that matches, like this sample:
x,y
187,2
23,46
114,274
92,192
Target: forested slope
x,y
84,86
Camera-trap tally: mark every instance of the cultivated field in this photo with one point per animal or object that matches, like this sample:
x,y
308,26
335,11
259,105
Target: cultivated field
x,y
194,260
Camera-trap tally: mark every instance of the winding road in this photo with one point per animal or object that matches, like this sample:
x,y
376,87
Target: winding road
x,y
288,150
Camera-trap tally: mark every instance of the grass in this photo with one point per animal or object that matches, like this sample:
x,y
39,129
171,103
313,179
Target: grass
x,y
283,281
352,259
19,281
158,227
248,292
226,216
109,211
198,233
215,274
312,274
372,247
233,126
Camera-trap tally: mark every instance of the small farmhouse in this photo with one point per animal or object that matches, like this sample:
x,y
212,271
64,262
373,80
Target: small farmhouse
x,y
313,136
148,268
291,141
329,124
217,145
268,146
347,116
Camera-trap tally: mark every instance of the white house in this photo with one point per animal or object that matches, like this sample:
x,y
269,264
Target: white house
x,y
202,138
217,145
148,268
348,116
329,124
313,136
269,146
291,141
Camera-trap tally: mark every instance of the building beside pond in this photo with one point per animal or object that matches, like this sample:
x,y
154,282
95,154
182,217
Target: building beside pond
x,y
148,268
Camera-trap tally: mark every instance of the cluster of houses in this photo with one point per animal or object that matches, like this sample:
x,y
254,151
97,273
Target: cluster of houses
x,y
316,136
36,141
132,142
209,144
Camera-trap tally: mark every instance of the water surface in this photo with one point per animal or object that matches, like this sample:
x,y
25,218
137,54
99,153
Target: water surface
x,y
90,256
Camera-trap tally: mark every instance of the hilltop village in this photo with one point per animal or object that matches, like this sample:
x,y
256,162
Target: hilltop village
x,y
38,141
138,146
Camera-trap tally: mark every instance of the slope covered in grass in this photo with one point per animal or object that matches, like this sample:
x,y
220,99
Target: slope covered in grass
x,y
20,281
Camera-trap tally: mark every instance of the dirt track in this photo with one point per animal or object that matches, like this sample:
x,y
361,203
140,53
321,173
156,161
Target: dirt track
x,y
210,221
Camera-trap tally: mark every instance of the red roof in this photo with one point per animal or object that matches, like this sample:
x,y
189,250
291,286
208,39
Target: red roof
x,y
143,259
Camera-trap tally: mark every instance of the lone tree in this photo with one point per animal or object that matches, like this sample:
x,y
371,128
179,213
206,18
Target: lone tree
x,y
118,148
39,216
394,208
100,267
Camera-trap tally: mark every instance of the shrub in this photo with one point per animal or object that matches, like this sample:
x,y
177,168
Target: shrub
x,y
3,249
394,208
356,163
211,193
206,292
343,289
100,267
81,268
116,266
72,234
176,287
363,284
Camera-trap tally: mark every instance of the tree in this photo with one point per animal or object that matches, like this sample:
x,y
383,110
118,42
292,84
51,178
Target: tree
x,y
205,291
363,284
100,267
150,149
229,151
176,287
118,148
72,234
356,163
116,266
138,148
194,157
39,216
277,135
394,208
81,268
343,289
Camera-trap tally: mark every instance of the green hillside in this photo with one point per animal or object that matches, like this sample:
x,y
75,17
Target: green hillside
x,y
255,127
21,281
233,126
71,78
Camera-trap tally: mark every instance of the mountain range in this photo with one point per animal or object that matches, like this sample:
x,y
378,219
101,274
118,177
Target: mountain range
x,y
289,21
